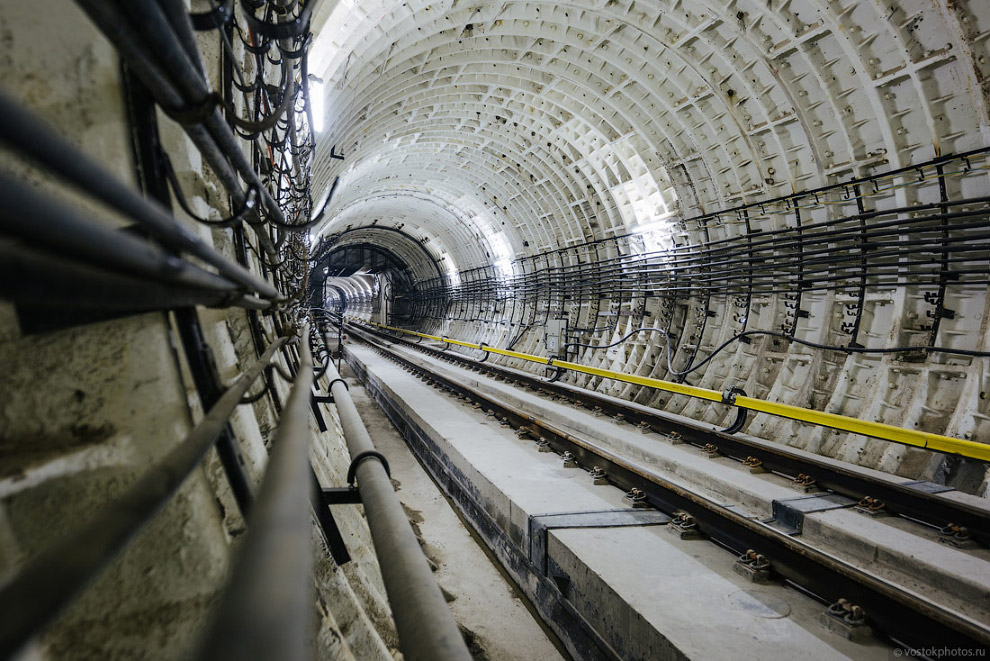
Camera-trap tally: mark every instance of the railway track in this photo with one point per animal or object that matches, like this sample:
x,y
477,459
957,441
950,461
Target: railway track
x,y
919,501
855,597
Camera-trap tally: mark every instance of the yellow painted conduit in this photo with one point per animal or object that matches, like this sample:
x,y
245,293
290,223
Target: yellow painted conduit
x,y
886,432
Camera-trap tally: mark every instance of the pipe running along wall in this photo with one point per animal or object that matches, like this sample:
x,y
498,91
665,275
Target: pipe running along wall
x,y
936,442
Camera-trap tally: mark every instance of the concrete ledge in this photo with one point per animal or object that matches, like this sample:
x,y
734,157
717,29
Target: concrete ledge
x,y
892,548
622,591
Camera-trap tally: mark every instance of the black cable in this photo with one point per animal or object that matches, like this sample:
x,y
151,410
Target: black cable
x,y
617,342
789,338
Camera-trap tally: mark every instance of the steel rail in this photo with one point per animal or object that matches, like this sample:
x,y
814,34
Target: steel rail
x,y
899,498
927,440
902,615
427,631
267,608
52,579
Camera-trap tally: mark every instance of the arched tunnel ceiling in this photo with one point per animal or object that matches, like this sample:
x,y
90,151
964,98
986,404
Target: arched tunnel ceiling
x,y
502,129
422,263
423,218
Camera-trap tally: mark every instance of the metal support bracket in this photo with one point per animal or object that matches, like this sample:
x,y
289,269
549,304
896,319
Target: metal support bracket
x,y
349,495
729,397
341,496
335,541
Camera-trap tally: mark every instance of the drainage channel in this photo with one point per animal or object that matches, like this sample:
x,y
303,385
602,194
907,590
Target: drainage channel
x,y
494,620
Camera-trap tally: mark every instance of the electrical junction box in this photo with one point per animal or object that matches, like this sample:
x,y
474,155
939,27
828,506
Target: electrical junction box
x,y
555,333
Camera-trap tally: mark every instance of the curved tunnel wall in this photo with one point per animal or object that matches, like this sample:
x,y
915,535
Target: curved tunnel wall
x,y
522,141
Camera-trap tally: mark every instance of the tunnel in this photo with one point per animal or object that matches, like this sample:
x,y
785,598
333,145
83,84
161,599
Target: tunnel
x,y
605,329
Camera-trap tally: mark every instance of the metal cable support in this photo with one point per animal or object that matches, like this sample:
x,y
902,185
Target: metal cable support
x,y
935,245
27,135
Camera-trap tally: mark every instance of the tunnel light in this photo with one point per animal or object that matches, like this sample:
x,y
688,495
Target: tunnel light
x,y
502,254
657,235
316,104
503,267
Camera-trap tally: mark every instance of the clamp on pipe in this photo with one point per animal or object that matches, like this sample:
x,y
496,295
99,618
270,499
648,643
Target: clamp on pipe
x,y
559,372
729,397
367,454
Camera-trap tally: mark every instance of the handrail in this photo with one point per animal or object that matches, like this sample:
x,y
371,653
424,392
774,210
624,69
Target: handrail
x,y
47,585
913,437
267,609
427,631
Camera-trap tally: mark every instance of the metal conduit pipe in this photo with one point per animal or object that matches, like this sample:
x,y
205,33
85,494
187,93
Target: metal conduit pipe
x,y
33,216
178,16
132,49
42,589
267,609
427,631
33,140
31,277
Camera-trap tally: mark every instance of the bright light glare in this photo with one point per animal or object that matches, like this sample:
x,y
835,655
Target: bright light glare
x,y
502,254
316,103
454,277
656,235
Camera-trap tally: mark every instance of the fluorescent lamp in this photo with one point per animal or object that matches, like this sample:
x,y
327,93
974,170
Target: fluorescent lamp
x,y
316,104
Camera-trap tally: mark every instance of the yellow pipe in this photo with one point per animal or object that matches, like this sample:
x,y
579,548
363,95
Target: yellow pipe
x,y
515,354
880,430
680,388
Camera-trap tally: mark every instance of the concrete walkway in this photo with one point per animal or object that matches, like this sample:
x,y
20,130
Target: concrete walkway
x,y
495,620
636,592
